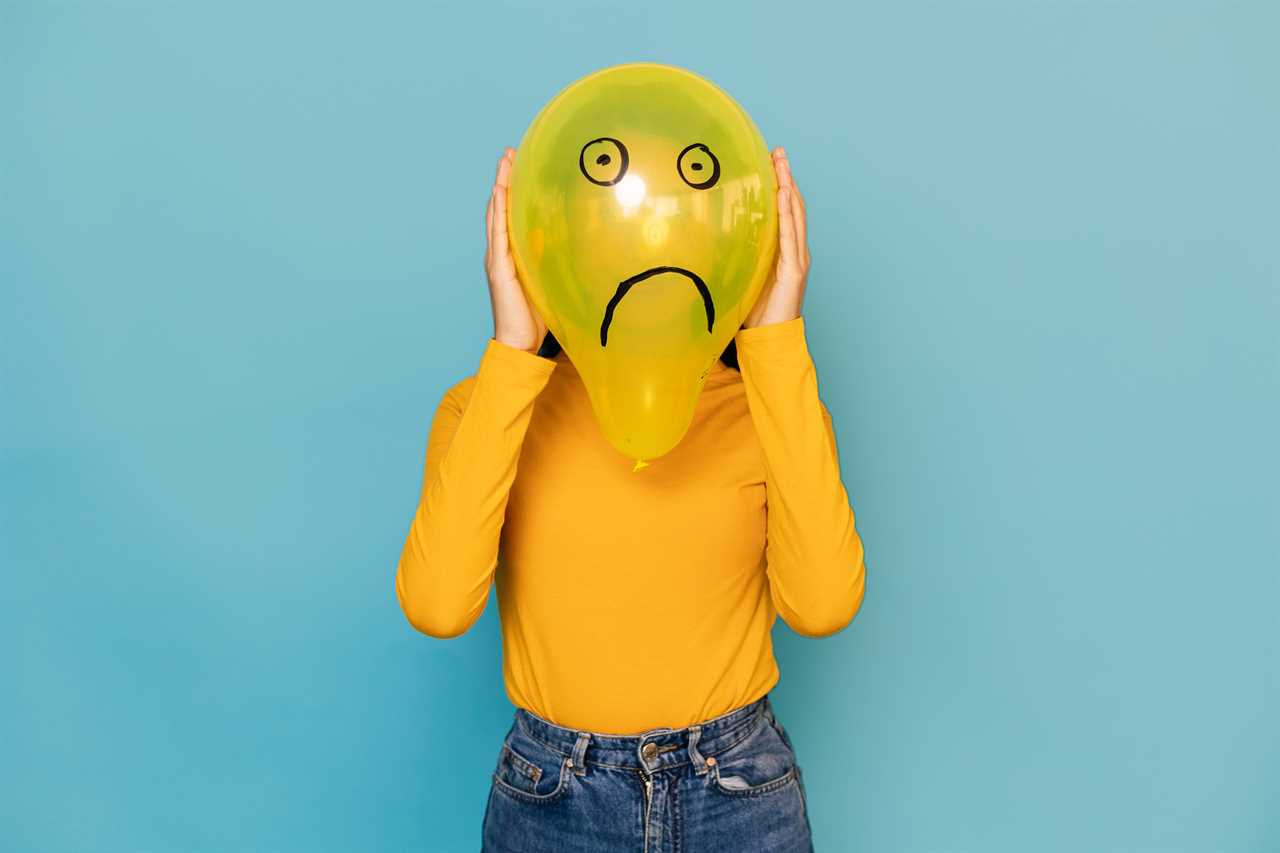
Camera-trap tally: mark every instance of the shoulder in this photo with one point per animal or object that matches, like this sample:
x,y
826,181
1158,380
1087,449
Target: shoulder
x,y
722,375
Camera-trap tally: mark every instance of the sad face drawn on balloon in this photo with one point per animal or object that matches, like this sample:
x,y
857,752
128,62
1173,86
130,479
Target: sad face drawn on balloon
x,y
643,227
695,159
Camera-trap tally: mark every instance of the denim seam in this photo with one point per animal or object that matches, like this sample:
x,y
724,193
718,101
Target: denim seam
x,y
761,789
512,791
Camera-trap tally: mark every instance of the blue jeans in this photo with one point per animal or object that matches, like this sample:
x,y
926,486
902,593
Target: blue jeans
x,y
730,783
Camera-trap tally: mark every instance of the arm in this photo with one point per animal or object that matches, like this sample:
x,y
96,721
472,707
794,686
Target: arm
x,y
448,560
813,551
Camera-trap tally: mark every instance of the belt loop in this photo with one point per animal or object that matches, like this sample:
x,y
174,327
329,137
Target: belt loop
x,y
579,760
699,763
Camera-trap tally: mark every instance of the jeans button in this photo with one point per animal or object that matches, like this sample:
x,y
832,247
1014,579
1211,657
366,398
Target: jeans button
x,y
649,750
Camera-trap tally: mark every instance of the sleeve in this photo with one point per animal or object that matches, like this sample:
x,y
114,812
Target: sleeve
x,y
814,557
447,563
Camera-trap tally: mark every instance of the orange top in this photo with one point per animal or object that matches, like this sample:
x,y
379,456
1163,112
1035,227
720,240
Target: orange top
x,y
632,600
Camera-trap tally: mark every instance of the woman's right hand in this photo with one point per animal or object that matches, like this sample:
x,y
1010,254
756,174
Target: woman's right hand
x,y
515,321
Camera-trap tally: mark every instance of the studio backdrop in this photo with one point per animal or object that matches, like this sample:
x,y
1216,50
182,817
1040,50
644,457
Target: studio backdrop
x,y
240,263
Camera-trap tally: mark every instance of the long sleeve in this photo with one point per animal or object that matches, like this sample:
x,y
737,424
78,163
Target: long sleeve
x,y
447,564
814,554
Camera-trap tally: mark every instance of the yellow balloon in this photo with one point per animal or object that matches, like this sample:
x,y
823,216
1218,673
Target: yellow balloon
x,y
643,221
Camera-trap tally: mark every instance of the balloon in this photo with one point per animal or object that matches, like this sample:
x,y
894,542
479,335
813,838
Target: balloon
x,y
643,221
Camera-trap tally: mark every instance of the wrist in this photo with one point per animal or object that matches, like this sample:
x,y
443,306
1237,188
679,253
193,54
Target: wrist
x,y
516,343
771,318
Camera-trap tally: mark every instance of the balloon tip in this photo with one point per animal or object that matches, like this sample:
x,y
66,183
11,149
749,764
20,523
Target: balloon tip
x,y
640,463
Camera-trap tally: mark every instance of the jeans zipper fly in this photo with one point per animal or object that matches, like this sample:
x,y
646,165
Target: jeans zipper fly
x,y
648,801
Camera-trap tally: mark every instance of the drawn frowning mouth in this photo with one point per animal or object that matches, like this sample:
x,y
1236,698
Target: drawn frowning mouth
x,y
626,284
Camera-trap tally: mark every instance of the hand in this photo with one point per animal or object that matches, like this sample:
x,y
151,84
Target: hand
x,y
515,321
782,298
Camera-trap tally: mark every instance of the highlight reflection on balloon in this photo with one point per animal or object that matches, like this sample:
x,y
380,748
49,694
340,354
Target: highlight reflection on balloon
x,y
643,227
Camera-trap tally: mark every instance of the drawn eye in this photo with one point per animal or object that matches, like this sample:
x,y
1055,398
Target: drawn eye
x,y
603,161
698,167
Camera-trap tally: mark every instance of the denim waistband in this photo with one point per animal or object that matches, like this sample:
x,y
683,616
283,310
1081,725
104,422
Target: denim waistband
x,y
650,750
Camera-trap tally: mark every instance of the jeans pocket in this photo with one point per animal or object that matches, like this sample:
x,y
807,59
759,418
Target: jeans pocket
x,y
530,771
761,763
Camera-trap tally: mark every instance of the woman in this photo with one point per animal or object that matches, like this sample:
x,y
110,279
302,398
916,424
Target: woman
x,y
636,608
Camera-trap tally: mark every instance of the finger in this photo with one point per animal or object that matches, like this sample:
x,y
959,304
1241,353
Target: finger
x,y
797,211
504,170
488,226
802,227
783,164
500,247
786,229
784,167
781,171
497,172
779,158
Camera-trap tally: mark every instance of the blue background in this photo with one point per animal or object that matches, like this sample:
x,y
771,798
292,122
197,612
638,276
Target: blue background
x,y
240,261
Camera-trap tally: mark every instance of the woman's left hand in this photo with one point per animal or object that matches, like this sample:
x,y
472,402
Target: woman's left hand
x,y
781,299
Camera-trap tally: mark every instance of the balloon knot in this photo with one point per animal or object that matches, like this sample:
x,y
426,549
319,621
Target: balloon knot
x,y
640,463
